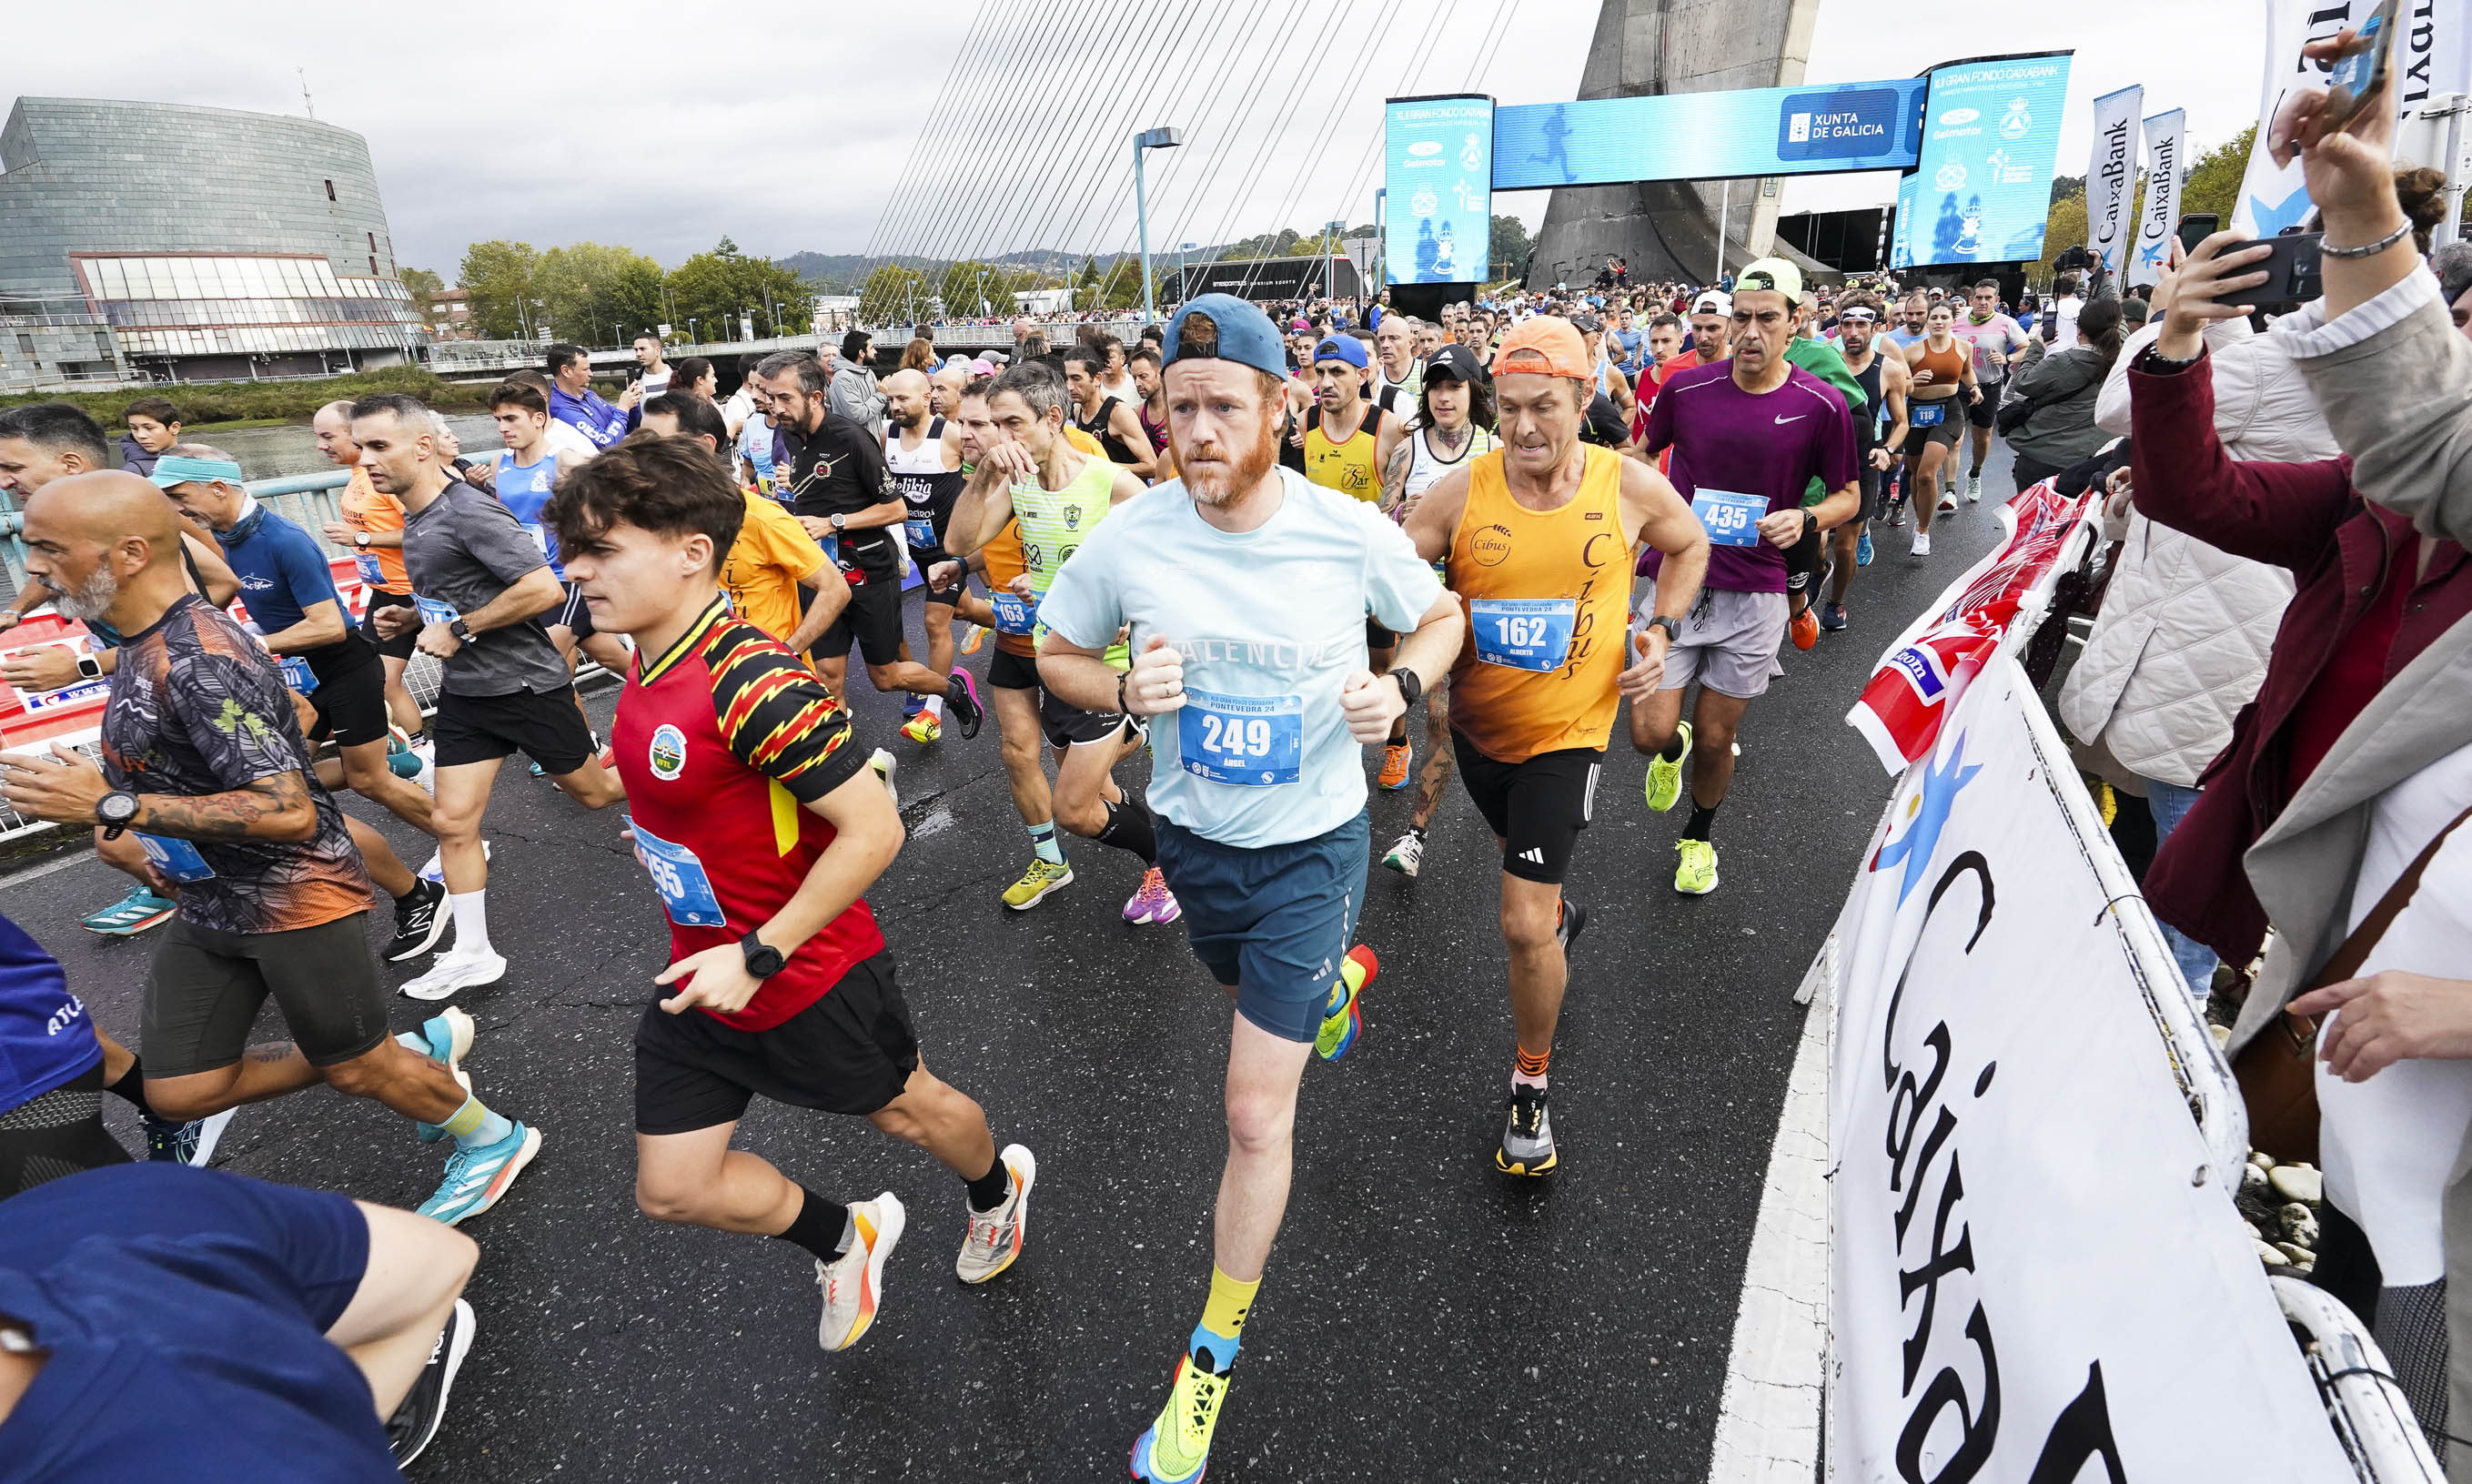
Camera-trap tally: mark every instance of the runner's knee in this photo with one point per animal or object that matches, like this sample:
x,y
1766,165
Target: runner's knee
x,y
1260,1123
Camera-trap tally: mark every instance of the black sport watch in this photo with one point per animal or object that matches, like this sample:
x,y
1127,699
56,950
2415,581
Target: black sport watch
x,y
763,960
114,812
1672,626
1411,683
461,630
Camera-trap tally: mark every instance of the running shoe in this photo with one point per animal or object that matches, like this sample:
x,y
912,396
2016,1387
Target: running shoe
x,y
922,728
1394,765
424,1406
1042,877
1153,902
458,969
478,1178
962,699
1407,855
1974,487
1664,778
1571,923
912,705
184,1143
853,1282
1922,544
885,765
403,759
445,1037
1177,1447
1833,617
1947,502
132,914
1805,628
1526,1134
1697,873
420,920
973,637
435,868
1862,548
1897,513
995,1236
1343,1022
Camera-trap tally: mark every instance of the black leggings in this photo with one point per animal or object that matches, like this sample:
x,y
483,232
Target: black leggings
x,y
58,1134
1802,559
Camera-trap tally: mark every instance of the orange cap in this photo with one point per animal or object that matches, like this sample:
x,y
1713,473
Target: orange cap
x,y
1544,345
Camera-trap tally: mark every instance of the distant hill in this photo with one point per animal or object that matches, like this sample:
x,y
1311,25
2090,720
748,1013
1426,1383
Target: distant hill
x,y
843,272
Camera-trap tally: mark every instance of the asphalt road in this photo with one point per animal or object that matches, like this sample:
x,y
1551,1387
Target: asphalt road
x,y
1424,1317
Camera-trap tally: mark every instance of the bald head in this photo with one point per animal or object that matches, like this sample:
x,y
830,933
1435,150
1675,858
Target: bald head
x,y
100,540
333,425
905,398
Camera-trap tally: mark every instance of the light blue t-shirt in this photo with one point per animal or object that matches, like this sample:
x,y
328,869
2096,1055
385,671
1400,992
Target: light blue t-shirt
x,y
1271,623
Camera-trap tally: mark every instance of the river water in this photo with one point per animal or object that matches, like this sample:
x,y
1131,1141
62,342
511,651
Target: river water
x,y
292,449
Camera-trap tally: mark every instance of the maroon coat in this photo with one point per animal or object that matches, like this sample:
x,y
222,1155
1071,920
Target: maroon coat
x,y
2302,516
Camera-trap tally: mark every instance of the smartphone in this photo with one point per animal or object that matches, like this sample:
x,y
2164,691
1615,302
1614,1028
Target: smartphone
x,y
2291,269
2196,227
2360,72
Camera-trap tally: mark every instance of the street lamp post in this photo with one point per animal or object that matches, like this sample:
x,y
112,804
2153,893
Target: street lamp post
x,y
1330,260
1148,139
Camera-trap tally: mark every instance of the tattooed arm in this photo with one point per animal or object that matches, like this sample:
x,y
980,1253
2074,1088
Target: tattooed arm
x,y
272,808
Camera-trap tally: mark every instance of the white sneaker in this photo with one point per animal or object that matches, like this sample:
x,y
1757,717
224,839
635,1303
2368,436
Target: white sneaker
x,y
1922,544
995,1238
885,764
853,1282
1973,488
427,776
462,968
1406,856
436,869
1947,501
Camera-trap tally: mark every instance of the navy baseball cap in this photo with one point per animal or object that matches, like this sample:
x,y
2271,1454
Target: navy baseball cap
x,y
1246,334
1342,348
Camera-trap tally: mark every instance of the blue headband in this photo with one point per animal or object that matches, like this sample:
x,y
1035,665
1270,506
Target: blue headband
x,y
180,469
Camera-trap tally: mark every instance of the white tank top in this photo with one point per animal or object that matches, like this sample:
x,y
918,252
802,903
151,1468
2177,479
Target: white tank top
x,y
1423,469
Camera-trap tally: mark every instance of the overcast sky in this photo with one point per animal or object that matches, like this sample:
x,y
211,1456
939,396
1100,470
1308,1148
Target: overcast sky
x,y
640,123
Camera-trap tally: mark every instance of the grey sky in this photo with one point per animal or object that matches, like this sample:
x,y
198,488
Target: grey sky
x,y
651,126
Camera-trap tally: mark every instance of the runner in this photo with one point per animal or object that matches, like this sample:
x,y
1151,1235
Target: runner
x,y
1994,338
1342,444
1454,423
1537,538
1942,388
502,686
1398,375
1116,377
1030,474
835,485
1253,584
652,376
773,557
203,760
1880,431
1745,474
922,463
573,401
780,981
372,528
1152,410
1107,417
299,617
153,424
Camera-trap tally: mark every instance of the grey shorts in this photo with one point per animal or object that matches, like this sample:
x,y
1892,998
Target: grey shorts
x,y
1729,641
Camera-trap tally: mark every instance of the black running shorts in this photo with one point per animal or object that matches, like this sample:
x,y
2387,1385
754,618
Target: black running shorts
x,y
1062,723
401,646
574,614
204,987
351,706
850,1052
1537,807
873,622
544,725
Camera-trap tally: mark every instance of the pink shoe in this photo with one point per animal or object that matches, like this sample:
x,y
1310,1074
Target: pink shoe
x,y
1153,902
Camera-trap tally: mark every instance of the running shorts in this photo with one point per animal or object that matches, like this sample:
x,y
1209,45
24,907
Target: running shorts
x,y
1061,722
873,622
1802,559
204,987
1945,433
401,646
574,614
1274,922
1537,807
850,1052
544,725
1871,483
351,706
1986,412
59,1133
1729,641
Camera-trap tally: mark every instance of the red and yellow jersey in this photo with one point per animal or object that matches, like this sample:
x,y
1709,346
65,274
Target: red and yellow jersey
x,y
721,742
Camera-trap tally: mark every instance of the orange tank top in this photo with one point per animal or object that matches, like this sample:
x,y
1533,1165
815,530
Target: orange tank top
x,y
1547,595
1947,367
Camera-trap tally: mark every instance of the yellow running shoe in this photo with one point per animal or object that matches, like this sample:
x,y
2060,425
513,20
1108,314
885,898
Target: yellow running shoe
x,y
1697,874
1343,1021
1177,1447
1394,765
1665,778
1042,877
923,728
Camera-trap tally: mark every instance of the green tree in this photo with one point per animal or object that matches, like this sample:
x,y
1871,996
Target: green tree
x,y
2213,182
893,293
598,294
497,279
424,286
1510,247
964,285
714,289
2063,228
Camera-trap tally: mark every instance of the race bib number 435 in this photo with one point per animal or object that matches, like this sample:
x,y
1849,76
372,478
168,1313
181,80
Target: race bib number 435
x,y
1249,741
1730,520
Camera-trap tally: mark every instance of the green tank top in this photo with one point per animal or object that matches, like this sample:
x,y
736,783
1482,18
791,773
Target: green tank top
x,y
1054,524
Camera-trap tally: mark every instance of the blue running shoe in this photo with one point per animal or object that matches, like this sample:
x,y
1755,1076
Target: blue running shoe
x,y
1862,548
132,914
477,1178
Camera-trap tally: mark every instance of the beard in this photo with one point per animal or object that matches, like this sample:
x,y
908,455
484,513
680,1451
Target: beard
x,y
89,599
1234,473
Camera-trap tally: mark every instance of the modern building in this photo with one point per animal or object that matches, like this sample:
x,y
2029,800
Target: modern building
x,y
450,315
178,243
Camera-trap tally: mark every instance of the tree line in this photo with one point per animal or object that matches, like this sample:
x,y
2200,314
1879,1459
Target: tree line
x,y
595,294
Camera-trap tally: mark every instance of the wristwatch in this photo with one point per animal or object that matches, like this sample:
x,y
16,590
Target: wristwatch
x,y
360,538
839,521
114,812
90,666
1411,683
763,960
461,630
1672,626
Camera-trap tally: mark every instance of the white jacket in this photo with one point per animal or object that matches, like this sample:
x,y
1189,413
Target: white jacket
x,y
2183,639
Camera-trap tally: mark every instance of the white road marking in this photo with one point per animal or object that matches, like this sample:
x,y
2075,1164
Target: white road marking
x,y
47,868
1768,1418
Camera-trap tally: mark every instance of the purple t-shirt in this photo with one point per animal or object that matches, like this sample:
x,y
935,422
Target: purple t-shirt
x,y
1768,445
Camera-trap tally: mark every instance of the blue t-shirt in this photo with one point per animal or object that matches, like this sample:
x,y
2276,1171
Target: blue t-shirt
x,y
524,488
591,414
1633,347
1271,623
46,1040
282,569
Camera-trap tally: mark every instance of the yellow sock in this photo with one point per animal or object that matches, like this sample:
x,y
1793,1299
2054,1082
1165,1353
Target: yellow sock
x,y
1223,1321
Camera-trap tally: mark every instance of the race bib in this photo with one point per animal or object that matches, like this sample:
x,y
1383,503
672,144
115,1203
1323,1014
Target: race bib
x,y
1523,634
1929,415
297,673
686,892
1730,520
1014,614
366,566
1249,741
177,860
540,538
432,611
920,532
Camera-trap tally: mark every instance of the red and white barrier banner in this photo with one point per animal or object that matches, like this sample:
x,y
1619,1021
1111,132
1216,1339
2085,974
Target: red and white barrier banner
x,y
2038,1273
1928,667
